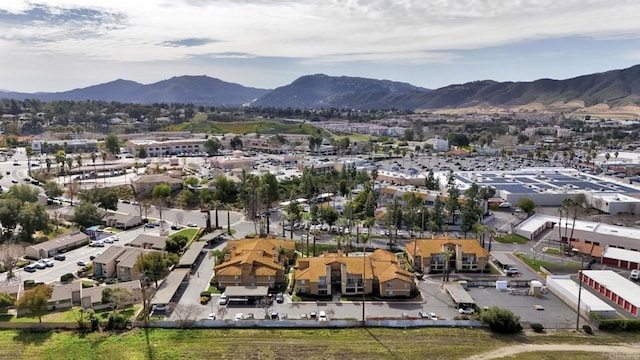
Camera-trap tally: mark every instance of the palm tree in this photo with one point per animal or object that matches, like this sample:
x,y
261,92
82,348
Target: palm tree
x,y
48,162
29,152
446,256
104,163
94,156
69,161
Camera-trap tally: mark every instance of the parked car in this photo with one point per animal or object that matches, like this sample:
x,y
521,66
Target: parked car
x,y
40,265
108,240
223,300
159,307
81,263
635,275
211,316
239,316
322,316
30,268
48,263
313,315
280,298
192,224
512,271
249,316
60,257
466,311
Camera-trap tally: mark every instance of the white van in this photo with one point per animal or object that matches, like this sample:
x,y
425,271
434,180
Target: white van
x,y
635,275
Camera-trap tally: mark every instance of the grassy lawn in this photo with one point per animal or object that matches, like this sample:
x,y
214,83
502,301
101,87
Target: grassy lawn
x,y
199,123
357,343
553,251
511,238
69,315
189,233
559,355
537,263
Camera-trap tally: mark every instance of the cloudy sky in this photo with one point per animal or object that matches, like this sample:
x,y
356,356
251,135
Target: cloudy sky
x,y
56,45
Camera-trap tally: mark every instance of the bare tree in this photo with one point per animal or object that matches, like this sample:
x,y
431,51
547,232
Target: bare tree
x,y
186,314
118,297
9,255
179,218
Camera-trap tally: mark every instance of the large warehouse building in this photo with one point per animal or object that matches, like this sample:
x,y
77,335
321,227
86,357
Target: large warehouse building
x,y
550,186
568,291
616,288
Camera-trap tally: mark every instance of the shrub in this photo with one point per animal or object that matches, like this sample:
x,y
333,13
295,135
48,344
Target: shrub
x,y
206,293
67,278
537,327
587,329
28,284
501,320
620,325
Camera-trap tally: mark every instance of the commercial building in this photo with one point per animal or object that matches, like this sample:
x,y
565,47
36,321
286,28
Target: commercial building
x,y
58,245
568,291
379,273
582,231
439,145
165,148
429,255
626,259
143,186
614,287
69,146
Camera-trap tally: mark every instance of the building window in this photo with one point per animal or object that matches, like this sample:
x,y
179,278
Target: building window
x,y
389,293
389,285
302,281
302,290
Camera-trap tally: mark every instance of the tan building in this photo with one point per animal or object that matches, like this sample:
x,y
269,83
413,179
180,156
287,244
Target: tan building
x,y
381,273
234,162
58,245
144,185
152,242
428,255
68,295
118,262
254,262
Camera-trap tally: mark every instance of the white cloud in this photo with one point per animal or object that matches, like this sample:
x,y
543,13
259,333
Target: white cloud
x,y
314,31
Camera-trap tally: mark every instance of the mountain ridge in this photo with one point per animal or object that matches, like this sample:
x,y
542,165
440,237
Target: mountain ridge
x,y
613,88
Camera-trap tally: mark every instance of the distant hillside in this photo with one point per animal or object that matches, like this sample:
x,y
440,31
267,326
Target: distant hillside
x,y
202,90
322,91
617,87
612,88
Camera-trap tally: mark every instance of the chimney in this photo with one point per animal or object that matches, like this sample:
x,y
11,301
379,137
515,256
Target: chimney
x,y
303,264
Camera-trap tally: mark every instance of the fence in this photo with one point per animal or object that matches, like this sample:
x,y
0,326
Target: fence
x,y
40,326
292,324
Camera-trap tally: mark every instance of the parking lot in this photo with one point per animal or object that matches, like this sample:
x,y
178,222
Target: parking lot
x,y
556,314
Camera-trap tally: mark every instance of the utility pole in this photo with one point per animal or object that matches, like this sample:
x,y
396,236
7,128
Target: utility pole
x,y
579,296
364,282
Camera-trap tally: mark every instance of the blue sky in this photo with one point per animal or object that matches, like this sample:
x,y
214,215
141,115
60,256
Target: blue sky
x,y
57,45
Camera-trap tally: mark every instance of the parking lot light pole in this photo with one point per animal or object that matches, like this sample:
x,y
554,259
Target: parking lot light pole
x,y
579,298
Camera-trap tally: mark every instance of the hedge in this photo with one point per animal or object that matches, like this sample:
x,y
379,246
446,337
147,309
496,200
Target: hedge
x,y
620,325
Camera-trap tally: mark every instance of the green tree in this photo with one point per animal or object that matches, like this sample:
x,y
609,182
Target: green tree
x,y
226,191
527,205
112,143
118,297
212,146
8,209
6,300
52,189
33,217
452,204
29,152
35,301
86,214
328,215
501,320
106,198
23,193
154,265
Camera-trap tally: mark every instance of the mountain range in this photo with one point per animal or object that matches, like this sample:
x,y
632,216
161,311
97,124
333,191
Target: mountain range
x,y
613,88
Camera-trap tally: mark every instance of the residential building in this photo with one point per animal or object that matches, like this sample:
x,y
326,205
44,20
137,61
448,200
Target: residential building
x,y
145,241
254,262
429,255
58,245
66,296
118,262
379,274
121,220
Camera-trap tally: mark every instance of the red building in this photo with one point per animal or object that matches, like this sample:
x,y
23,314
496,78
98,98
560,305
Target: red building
x,y
621,291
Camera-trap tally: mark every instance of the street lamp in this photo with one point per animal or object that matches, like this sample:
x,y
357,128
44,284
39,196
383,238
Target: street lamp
x,y
579,298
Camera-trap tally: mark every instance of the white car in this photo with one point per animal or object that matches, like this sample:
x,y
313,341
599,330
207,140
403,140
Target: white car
x,y
505,204
211,316
322,316
239,316
466,311
223,300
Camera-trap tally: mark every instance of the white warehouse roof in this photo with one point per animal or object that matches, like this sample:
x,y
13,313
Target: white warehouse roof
x,y
569,288
613,281
536,221
622,254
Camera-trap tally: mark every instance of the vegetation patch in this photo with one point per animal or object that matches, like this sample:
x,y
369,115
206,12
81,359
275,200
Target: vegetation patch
x,y
511,238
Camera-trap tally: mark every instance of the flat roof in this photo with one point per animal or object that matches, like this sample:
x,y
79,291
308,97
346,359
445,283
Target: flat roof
x,y
588,300
169,286
189,257
539,220
459,294
618,284
502,258
240,291
622,254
